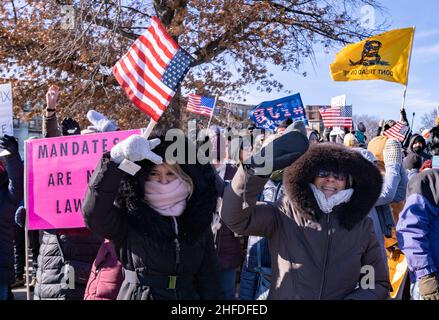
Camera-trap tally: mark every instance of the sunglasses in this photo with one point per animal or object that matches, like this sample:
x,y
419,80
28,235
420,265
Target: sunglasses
x,y
337,175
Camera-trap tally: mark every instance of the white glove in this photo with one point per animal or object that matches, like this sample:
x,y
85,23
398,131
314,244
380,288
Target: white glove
x,y
136,148
100,122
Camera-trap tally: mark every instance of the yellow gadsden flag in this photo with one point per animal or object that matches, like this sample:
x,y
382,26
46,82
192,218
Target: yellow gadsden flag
x,y
385,56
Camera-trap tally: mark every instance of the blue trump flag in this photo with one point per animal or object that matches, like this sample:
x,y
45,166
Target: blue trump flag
x,y
269,114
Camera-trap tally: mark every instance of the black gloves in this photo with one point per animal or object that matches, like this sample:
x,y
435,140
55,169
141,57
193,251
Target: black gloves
x,y
428,287
9,143
70,127
278,154
403,114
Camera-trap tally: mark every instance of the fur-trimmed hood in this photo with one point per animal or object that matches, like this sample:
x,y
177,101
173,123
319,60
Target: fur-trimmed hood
x,y
197,216
366,178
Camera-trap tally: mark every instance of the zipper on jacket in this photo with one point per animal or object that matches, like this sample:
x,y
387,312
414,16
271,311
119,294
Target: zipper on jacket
x,y
177,253
328,246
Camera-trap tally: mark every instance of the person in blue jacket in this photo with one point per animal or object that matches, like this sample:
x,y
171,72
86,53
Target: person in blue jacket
x,y
417,230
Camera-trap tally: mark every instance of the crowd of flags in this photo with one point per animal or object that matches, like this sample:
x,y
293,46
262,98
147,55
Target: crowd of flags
x,y
155,65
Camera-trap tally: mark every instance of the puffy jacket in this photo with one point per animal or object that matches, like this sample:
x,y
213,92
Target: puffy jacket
x,y
147,245
59,255
106,275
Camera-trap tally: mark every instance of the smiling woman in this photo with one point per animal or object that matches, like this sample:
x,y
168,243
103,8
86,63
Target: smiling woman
x,y
318,228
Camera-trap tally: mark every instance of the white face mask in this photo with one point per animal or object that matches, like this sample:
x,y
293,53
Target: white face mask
x,y
327,204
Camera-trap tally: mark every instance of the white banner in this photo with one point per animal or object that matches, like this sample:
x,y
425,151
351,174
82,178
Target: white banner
x,y
339,101
6,121
6,124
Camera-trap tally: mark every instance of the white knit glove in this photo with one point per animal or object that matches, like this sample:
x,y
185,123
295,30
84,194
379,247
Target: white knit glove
x,y
100,122
136,148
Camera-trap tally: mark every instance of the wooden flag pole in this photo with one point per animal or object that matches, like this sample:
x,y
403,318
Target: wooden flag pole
x,y
408,70
211,113
149,129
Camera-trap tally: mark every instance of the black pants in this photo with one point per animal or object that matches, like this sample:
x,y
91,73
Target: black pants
x,y
34,242
19,252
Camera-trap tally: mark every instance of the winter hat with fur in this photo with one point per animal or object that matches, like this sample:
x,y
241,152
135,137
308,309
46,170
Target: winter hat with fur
x,y
392,152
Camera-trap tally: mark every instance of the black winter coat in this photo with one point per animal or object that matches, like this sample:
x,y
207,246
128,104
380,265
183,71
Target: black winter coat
x,y
146,242
59,255
11,192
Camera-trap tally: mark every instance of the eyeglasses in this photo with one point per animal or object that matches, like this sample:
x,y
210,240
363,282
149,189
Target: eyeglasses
x,y
337,175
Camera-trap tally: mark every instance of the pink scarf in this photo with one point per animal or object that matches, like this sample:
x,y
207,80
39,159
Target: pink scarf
x,y
167,199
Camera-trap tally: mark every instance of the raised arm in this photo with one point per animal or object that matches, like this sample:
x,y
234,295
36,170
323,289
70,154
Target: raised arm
x,y
50,121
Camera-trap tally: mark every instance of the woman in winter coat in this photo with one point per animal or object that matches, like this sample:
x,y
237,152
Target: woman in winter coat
x,y
320,238
11,192
158,220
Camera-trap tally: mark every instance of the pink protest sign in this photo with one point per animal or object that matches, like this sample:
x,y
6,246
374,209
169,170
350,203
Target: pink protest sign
x,y
57,171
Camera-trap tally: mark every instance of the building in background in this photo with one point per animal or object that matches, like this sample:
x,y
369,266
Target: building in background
x,y
23,130
314,118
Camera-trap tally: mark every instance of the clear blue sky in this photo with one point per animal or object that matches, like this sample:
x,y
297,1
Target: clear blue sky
x,y
379,98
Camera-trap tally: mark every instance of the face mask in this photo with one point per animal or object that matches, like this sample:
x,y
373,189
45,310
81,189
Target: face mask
x,y
417,149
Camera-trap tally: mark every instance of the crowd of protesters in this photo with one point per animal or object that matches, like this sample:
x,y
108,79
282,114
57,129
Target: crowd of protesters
x,y
322,222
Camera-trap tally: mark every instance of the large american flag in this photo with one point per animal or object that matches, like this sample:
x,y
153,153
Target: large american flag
x,y
200,104
336,116
152,69
398,131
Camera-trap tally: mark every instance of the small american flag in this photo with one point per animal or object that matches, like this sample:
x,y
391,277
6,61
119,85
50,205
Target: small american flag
x,y
152,69
200,104
336,116
398,131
